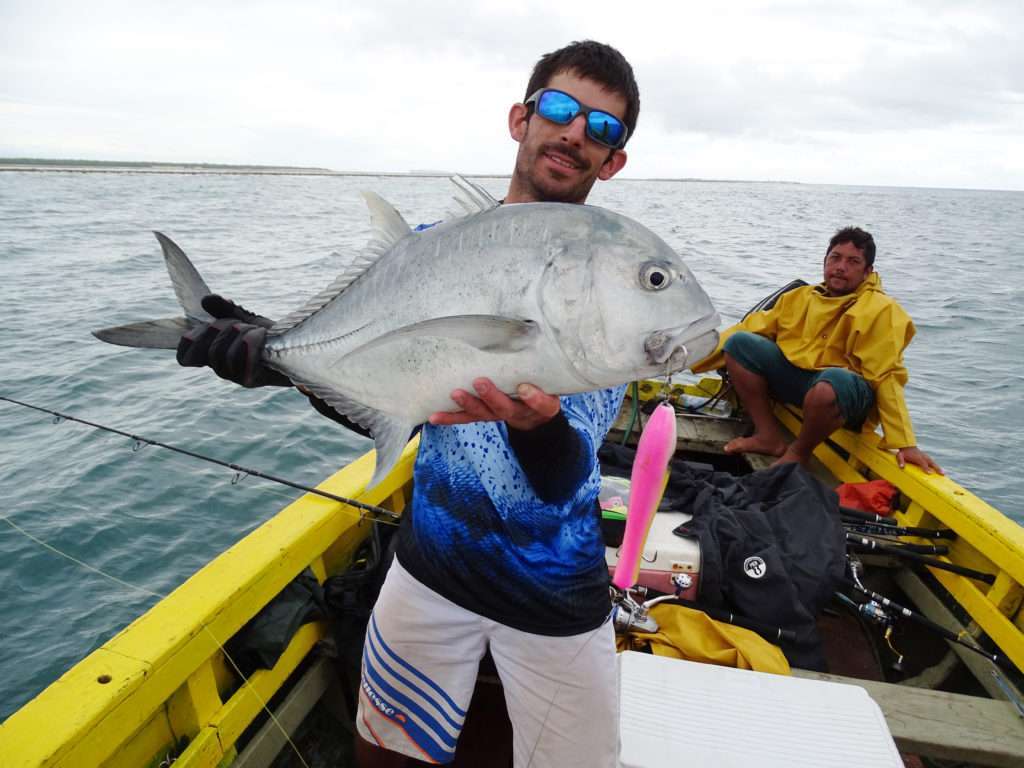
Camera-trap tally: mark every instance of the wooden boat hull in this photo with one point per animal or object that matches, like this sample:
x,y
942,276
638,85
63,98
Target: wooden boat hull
x,y
163,686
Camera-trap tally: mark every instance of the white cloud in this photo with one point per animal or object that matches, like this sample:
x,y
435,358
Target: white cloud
x,y
925,93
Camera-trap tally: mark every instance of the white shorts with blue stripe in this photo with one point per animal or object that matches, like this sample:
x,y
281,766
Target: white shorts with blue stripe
x,y
420,665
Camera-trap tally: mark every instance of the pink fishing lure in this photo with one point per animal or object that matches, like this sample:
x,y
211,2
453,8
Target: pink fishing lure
x,y
647,485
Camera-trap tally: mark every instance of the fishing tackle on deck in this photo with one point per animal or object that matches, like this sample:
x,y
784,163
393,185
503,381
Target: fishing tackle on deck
x,y
881,610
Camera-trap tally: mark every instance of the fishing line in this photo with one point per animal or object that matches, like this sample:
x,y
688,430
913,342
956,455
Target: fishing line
x,y
240,472
144,590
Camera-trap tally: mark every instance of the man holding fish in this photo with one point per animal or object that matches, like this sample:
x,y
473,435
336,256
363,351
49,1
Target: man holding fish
x,y
501,547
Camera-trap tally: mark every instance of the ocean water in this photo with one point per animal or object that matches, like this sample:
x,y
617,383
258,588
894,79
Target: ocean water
x,y
76,254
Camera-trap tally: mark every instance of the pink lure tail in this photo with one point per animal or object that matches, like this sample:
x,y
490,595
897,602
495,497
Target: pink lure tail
x,y
647,485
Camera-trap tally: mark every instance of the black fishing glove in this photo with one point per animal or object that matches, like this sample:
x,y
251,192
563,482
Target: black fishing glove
x,y
232,345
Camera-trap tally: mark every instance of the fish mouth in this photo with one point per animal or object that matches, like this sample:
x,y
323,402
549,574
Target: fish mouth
x,y
674,348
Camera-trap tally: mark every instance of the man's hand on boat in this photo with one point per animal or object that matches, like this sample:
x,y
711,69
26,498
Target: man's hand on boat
x,y
533,408
232,345
914,455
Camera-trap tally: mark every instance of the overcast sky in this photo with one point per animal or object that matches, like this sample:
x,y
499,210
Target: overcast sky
x,y
865,92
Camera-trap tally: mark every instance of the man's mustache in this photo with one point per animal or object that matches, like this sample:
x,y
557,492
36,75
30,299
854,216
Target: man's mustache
x,y
571,152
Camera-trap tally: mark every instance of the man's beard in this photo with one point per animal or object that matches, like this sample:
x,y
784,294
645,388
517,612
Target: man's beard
x,y
547,189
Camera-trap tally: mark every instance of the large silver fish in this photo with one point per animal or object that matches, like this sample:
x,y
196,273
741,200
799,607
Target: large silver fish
x,y
571,298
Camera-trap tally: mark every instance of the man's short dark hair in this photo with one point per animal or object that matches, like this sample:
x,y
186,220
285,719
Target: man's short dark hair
x,y
862,241
592,61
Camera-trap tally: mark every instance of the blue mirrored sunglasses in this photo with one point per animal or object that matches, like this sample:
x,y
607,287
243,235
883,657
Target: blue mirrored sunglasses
x,y
559,107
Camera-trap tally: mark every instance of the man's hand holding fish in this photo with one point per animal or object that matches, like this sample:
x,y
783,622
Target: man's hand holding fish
x,y
533,408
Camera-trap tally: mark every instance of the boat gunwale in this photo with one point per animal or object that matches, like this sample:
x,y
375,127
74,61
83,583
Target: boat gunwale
x,y
89,714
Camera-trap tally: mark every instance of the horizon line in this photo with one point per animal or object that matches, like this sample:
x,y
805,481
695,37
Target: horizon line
x,y
79,165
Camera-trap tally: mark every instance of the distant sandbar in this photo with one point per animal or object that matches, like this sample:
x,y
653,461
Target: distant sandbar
x,y
104,166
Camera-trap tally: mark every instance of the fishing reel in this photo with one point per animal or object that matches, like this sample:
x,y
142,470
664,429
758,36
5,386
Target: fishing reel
x,y
875,613
872,610
628,611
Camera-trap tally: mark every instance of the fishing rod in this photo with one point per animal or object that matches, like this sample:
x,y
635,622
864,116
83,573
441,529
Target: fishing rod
x,y
865,517
243,471
767,631
870,545
903,546
891,530
855,519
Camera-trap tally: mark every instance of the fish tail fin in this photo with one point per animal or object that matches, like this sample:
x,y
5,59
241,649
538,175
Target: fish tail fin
x,y
189,287
150,334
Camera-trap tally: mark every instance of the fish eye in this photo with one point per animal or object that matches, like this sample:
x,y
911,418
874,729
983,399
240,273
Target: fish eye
x,y
655,276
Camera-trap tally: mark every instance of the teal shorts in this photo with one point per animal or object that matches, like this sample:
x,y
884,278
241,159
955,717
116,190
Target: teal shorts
x,y
790,384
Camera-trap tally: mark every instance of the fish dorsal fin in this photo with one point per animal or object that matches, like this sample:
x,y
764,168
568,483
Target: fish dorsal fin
x,y
471,197
388,228
189,285
388,225
390,435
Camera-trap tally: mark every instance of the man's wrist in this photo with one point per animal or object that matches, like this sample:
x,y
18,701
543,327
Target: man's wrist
x,y
553,456
553,430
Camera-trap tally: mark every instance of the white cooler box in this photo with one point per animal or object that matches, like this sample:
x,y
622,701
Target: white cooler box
x,y
675,713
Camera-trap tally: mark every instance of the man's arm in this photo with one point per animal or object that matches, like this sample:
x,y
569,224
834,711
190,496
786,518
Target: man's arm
x,y
879,353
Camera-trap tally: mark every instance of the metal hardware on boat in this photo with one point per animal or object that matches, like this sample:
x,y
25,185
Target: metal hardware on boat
x,y
682,581
856,569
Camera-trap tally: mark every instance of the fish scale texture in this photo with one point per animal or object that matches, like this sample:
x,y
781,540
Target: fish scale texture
x,y
479,535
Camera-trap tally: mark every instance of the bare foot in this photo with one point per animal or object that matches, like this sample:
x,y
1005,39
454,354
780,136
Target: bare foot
x,y
790,456
768,446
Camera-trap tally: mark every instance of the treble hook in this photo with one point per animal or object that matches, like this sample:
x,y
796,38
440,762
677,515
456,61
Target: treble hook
x,y
239,477
137,444
57,418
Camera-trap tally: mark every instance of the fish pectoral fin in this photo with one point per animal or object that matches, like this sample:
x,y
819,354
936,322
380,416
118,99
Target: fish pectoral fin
x,y
152,334
489,333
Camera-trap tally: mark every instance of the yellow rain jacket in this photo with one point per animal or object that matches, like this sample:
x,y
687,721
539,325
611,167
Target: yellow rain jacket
x,y
685,633
865,332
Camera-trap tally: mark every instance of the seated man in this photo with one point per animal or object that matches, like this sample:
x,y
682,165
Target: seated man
x,y
836,349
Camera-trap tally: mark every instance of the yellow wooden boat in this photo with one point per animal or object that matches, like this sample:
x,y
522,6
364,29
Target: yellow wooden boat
x,y
162,691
